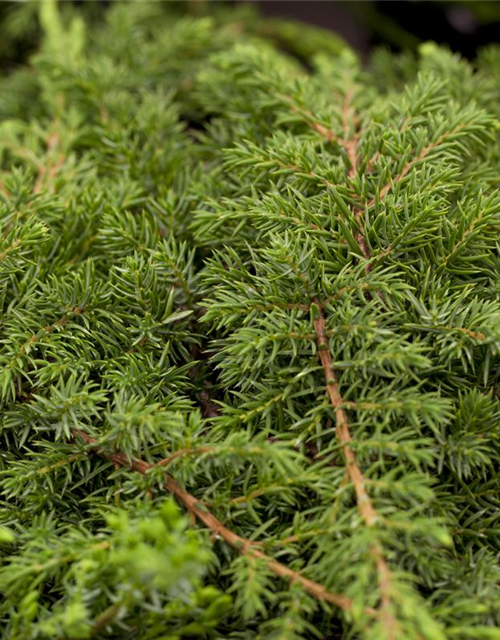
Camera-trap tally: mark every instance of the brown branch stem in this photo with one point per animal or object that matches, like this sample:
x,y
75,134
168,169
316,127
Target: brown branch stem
x,y
218,529
350,143
364,502
409,165
51,169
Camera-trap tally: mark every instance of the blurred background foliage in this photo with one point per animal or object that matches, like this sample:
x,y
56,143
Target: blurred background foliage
x,y
464,25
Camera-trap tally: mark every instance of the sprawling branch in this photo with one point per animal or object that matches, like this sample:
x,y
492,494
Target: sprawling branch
x,y
409,165
199,511
350,144
365,505
51,169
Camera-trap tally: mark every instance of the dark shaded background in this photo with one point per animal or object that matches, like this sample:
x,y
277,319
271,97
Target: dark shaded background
x,y
464,25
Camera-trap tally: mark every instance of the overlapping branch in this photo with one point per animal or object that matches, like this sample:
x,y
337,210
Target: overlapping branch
x,y
51,169
218,529
364,502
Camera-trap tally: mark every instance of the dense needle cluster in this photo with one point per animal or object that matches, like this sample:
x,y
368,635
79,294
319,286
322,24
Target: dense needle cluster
x,y
250,333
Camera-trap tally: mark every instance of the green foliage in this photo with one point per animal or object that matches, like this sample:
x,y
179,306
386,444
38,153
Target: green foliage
x,y
269,288
141,562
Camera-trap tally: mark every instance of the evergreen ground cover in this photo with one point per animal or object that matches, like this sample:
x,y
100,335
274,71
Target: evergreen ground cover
x,y
250,333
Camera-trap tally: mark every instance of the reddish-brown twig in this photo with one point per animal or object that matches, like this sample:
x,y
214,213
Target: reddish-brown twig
x,y
49,169
409,165
364,502
244,546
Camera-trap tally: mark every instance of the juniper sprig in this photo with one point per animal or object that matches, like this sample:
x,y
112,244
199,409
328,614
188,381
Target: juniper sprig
x,y
266,291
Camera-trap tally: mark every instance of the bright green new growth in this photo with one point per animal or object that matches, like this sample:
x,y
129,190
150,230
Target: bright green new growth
x,y
269,291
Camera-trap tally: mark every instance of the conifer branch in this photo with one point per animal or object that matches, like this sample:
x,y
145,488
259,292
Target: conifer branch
x,y
181,453
365,505
364,502
351,146
60,463
463,239
390,191
327,133
409,165
361,240
218,529
357,209
350,142
51,169
63,320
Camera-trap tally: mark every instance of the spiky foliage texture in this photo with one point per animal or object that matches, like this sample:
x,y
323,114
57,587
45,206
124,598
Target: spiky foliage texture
x,y
269,291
